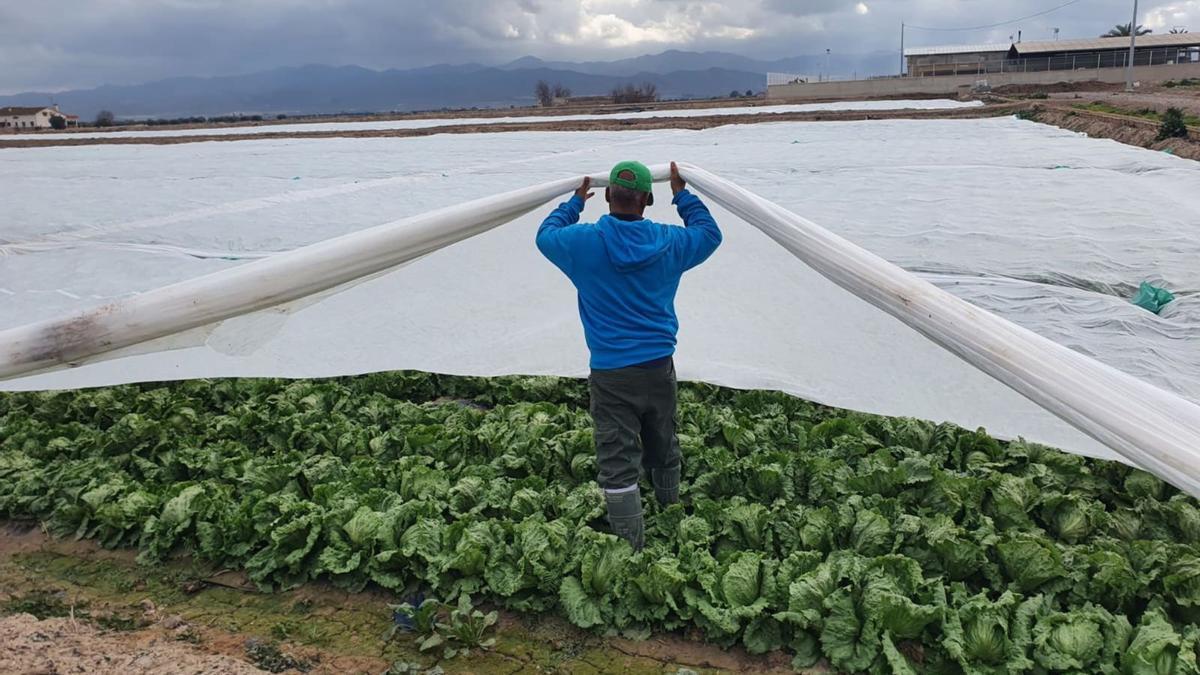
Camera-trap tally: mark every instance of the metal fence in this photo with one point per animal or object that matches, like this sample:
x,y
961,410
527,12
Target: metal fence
x,y
774,79
1085,61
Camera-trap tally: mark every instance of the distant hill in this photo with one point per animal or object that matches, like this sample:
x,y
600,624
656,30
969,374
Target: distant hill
x,y
671,61
315,89
675,60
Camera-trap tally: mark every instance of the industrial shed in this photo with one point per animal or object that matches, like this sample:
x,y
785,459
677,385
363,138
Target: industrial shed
x,y
1151,50
1040,56
955,59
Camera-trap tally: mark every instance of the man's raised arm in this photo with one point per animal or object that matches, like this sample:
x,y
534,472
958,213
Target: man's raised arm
x,y
549,235
700,236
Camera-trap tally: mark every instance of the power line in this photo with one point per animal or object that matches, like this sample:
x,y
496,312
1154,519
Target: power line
x,y
996,25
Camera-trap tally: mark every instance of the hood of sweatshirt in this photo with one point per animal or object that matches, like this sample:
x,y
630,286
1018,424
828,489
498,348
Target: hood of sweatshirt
x,y
632,244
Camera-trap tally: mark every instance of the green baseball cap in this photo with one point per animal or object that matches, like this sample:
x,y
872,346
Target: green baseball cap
x,y
642,180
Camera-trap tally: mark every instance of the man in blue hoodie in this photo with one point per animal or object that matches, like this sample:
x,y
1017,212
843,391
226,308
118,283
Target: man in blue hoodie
x,y
627,270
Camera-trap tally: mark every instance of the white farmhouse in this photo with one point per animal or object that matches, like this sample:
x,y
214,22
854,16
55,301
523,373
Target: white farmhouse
x,y
15,117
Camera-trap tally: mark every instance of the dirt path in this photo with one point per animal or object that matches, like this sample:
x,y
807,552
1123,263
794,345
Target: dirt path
x,y
29,646
71,607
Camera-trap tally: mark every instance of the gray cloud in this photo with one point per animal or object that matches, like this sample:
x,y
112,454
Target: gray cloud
x,y
91,42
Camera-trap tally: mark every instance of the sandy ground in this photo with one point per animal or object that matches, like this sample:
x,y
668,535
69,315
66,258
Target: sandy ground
x,y
52,646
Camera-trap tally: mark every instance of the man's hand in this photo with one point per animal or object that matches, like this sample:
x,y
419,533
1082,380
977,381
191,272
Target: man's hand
x,y
677,181
582,192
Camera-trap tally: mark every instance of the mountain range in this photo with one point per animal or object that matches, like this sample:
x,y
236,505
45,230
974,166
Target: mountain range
x,y
315,89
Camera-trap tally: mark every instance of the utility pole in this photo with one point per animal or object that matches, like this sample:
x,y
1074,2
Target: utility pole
x,y
1133,28
901,49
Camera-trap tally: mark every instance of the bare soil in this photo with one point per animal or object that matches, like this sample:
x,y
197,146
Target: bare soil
x,y
101,612
1120,121
1157,99
64,645
1056,88
1069,90
1060,105
1143,135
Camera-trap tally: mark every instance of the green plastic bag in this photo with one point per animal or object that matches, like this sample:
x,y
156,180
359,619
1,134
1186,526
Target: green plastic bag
x,y
1152,298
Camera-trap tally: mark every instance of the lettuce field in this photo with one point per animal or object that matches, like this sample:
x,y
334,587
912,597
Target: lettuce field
x,y
876,544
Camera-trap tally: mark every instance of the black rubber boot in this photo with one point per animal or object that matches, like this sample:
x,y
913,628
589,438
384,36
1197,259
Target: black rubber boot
x,y
666,485
625,517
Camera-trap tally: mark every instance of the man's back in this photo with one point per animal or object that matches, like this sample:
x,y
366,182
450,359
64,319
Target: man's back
x,y
627,271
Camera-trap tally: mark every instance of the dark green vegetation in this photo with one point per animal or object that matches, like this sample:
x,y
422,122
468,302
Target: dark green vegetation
x,y
886,545
1173,125
44,604
457,630
1124,30
41,604
268,656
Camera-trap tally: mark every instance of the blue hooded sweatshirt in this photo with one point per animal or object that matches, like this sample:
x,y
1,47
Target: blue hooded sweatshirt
x,y
627,271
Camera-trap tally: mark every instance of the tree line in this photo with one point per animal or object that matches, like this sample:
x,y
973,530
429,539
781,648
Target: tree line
x,y
546,93
106,118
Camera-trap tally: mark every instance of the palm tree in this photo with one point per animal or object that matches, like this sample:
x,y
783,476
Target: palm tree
x,y
1178,31
1122,30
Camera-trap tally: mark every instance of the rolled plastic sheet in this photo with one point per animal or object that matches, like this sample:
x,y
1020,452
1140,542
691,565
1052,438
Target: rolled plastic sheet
x,y
130,326
1147,426
932,197
1143,424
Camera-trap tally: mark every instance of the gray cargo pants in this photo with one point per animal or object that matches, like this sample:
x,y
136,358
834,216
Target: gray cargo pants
x,y
633,410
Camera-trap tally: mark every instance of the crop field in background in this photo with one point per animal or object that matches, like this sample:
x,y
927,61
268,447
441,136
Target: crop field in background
x,y
457,120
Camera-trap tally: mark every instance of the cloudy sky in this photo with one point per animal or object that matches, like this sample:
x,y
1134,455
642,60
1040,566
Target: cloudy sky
x,y
59,44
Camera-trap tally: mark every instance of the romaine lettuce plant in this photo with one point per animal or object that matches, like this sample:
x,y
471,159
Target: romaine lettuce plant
x,y
880,545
